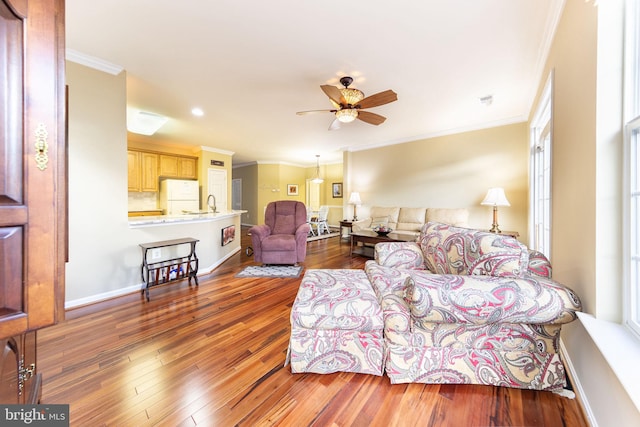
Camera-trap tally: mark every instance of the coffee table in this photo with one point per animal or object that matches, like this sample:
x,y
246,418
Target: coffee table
x,y
371,237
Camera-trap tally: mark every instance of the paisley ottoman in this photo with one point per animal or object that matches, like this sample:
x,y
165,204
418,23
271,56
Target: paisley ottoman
x,y
336,324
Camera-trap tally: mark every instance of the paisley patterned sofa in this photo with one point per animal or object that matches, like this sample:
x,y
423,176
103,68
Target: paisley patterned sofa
x,y
465,306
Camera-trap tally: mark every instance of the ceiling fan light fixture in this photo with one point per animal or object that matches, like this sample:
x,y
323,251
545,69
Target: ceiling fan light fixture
x,y
352,96
347,115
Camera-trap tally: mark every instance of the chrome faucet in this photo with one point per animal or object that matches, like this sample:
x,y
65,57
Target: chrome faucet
x,y
212,206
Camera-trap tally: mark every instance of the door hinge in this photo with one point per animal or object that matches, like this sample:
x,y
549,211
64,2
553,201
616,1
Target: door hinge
x,y
24,374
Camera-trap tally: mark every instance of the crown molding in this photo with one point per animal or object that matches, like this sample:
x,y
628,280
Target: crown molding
x,y
503,122
92,62
216,150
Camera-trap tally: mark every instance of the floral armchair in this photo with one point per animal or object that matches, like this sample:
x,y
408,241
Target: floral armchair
x,y
465,306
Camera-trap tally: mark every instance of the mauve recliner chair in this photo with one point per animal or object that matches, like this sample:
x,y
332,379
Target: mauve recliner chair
x,y
282,239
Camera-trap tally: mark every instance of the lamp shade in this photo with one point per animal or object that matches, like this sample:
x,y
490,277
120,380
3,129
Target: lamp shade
x,y
317,179
495,197
354,199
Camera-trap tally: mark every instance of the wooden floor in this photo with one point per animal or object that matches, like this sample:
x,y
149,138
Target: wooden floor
x,y
213,356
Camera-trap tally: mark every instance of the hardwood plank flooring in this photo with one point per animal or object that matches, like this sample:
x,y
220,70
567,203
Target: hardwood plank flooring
x,y
213,356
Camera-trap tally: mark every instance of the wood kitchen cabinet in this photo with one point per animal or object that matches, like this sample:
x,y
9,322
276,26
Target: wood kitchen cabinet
x,y
134,178
172,166
33,223
187,168
168,166
148,171
142,171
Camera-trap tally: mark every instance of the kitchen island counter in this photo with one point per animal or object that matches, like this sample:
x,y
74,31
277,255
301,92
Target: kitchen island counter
x,y
159,220
118,259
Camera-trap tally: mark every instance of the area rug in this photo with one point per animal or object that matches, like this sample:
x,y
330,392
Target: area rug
x,y
289,271
323,236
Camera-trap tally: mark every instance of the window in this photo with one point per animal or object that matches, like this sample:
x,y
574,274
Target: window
x,y
540,183
631,168
633,224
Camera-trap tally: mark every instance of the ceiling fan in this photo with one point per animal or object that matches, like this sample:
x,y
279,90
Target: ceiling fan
x,y
349,104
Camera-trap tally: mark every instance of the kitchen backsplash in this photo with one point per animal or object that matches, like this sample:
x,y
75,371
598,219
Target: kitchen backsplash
x,y
143,201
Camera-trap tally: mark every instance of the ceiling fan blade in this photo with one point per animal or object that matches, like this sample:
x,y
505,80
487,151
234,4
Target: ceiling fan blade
x,y
333,93
380,98
371,118
335,125
302,113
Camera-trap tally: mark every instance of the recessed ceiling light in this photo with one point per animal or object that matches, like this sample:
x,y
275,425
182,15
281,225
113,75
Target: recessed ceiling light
x,y
144,123
197,112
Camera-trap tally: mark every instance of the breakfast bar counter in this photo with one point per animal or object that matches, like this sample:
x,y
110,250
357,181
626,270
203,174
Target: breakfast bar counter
x,y
117,260
160,220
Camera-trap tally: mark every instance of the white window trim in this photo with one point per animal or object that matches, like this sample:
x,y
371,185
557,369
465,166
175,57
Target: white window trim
x,y
543,108
630,229
632,119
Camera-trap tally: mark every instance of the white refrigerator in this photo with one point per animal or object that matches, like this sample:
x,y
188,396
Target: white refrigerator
x,y
179,196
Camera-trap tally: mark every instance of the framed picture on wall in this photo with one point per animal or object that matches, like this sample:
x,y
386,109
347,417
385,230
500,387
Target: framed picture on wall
x,y
292,189
228,234
336,190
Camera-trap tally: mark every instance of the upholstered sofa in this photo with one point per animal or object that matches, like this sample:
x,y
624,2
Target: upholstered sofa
x,y
409,221
466,306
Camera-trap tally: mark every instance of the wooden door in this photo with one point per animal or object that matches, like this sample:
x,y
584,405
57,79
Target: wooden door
x,y
32,185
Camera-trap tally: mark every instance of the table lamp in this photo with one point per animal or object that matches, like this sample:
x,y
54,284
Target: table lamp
x,y
495,197
354,200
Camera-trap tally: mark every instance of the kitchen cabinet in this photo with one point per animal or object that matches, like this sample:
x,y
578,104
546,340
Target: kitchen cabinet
x,y
174,166
142,171
149,171
187,167
33,222
168,166
134,178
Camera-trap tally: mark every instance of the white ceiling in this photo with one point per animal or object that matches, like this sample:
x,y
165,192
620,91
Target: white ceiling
x,y
250,65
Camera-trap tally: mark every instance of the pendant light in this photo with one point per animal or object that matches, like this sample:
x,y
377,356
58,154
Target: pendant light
x,y
317,179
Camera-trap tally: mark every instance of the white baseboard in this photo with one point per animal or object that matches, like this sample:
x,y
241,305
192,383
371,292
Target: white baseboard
x,y
135,288
577,386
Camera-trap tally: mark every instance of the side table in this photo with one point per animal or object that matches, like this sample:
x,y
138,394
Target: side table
x,y
345,223
168,269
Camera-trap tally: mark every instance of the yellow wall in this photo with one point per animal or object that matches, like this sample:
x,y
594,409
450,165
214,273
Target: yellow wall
x,y
184,150
264,183
586,62
452,171
206,155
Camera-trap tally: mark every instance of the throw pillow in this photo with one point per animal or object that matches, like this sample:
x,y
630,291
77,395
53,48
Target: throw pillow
x,y
453,250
